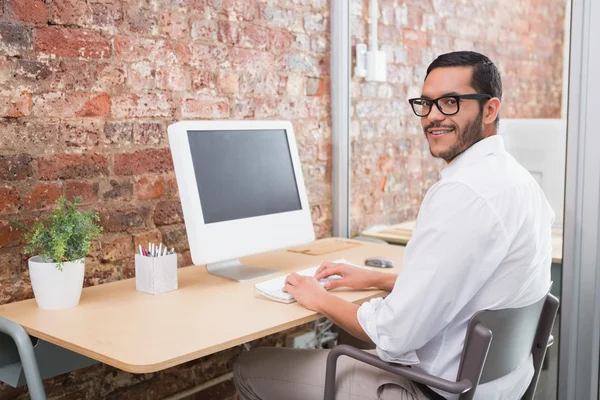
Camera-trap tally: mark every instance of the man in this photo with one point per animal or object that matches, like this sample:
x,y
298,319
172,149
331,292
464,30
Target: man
x,y
482,241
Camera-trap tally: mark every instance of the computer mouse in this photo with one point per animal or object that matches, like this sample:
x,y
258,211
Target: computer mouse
x,y
379,262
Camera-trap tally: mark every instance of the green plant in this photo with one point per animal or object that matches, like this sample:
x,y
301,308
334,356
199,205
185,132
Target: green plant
x,y
65,235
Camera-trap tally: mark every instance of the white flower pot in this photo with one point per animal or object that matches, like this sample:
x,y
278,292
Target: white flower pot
x,y
55,289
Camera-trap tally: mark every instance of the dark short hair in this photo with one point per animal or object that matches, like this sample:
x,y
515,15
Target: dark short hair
x,y
486,77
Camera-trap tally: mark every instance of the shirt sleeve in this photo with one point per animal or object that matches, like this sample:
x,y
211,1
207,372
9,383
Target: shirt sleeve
x,y
458,242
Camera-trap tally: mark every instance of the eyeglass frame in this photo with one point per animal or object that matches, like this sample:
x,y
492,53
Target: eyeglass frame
x,y
457,97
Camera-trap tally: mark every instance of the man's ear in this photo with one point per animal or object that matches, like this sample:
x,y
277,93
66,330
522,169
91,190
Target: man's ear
x,y
491,110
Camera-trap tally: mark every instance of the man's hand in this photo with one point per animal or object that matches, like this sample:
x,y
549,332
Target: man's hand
x,y
352,277
307,291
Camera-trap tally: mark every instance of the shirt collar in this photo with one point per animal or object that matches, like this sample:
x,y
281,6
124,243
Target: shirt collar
x,y
490,145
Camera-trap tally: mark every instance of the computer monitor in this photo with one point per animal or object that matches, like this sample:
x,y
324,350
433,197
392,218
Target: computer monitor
x,y
241,190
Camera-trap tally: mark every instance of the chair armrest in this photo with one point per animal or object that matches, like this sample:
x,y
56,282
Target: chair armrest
x,y
407,372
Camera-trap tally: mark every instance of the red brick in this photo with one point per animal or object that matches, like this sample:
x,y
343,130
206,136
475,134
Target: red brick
x,y
175,236
16,105
106,15
174,24
42,196
229,82
139,20
168,213
203,28
67,105
30,75
141,75
254,36
12,263
109,76
19,136
81,133
87,190
150,187
68,42
12,235
10,200
72,76
386,164
71,166
135,49
143,161
123,218
117,189
184,259
229,32
324,152
250,60
412,37
280,40
192,5
205,108
170,77
262,83
116,247
98,106
148,133
15,168
172,188
144,238
281,18
316,87
202,80
118,132
16,40
202,56
143,105
69,12
302,63
243,9
29,11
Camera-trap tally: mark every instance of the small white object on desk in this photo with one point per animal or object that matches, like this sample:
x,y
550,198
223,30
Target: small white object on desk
x,y
156,275
273,288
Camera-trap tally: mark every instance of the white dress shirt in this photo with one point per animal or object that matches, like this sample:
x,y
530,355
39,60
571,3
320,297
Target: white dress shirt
x,y
482,240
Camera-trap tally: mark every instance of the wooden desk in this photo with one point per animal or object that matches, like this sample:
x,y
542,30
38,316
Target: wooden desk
x,y
401,234
557,246
142,333
396,234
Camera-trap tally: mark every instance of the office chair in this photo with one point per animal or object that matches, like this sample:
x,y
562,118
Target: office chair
x,y
516,332
23,351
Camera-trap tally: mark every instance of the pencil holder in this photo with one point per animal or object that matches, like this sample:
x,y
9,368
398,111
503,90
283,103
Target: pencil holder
x,y
156,275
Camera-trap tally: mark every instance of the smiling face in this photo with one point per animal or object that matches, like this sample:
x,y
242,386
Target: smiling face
x,y
450,135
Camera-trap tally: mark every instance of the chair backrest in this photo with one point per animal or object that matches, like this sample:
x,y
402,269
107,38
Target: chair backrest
x,y
516,334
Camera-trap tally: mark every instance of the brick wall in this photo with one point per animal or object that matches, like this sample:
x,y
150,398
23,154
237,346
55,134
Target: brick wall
x,y
391,165
87,89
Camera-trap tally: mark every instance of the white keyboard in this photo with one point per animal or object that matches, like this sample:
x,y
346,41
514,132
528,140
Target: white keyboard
x,y
273,288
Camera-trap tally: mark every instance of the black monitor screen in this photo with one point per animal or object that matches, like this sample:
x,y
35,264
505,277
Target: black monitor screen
x,y
243,174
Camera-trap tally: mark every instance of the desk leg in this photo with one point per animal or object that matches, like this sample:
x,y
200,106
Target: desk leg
x,y
26,354
27,360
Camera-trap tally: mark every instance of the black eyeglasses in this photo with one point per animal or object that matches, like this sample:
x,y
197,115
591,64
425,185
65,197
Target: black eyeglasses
x,y
448,105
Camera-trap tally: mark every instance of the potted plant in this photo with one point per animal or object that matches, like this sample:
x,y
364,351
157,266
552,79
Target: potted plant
x,y
61,242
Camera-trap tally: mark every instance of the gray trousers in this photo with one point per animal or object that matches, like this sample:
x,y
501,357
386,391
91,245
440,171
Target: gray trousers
x,y
299,374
